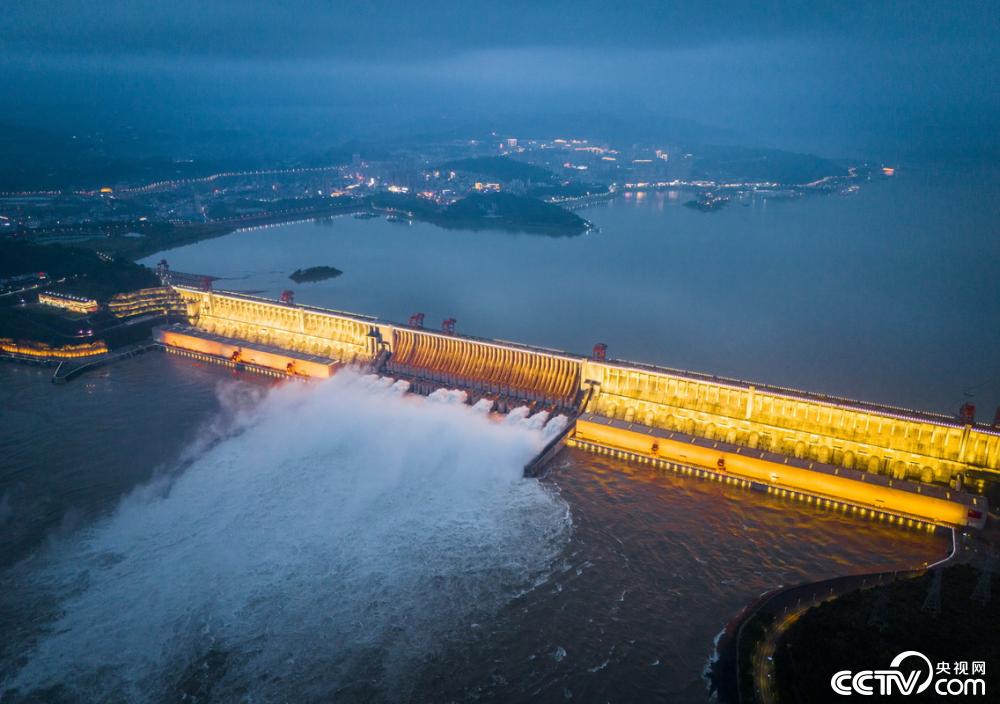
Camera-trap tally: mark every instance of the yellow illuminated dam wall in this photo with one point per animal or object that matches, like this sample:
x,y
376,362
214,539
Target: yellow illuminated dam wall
x,y
503,369
292,363
339,337
877,439
888,496
492,367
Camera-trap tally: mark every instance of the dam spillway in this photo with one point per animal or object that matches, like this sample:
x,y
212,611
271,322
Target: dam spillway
x,y
491,367
873,440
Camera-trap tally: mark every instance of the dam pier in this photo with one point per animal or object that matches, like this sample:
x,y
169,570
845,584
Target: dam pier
x,y
894,464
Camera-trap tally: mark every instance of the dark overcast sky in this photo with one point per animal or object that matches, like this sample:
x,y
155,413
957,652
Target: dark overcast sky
x,y
850,76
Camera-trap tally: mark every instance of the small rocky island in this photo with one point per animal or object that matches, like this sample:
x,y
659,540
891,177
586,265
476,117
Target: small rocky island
x,y
707,203
314,273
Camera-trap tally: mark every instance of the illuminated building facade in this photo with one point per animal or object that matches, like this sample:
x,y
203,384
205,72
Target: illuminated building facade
x,y
67,301
43,351
161,300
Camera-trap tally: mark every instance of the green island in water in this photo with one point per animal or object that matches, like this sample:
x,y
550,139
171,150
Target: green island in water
x,y
487,211
315,273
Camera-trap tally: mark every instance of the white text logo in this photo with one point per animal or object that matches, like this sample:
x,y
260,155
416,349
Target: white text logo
x,y
895,680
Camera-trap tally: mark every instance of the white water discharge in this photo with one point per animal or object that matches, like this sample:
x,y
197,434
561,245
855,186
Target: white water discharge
x,y
337,536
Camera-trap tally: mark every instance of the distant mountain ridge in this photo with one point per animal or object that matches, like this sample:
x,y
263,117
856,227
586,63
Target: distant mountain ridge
x,y
723,163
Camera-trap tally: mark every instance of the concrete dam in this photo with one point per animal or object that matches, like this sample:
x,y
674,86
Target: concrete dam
x,y
889,463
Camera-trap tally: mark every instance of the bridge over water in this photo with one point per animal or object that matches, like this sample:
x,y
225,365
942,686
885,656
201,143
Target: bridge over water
x,y
900,449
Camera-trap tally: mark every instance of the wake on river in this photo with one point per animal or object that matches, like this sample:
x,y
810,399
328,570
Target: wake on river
x,y
326,540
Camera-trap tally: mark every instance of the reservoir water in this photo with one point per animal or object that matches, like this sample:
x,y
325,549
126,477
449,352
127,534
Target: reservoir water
x,y
172,532
888,295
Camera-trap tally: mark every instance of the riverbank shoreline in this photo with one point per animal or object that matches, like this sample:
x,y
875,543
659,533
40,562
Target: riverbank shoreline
x,y
742,669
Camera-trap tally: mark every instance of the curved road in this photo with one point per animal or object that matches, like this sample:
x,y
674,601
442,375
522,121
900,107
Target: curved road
x,y
763,657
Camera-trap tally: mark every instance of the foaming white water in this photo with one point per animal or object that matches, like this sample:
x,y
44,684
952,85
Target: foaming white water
x,y
337,536
483,405
449,396
521,417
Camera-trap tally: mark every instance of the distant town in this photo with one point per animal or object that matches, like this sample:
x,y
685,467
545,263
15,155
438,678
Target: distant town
x,y
501,181
86,296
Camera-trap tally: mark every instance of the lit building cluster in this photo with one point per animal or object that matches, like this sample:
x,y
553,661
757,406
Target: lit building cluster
x,y
146,301
67,301
42,351
582,169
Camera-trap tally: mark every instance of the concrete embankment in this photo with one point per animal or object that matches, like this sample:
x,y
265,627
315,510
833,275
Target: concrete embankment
x,y
68,370
743,668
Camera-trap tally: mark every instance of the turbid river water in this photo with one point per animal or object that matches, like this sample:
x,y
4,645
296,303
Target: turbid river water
x,y
171,530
